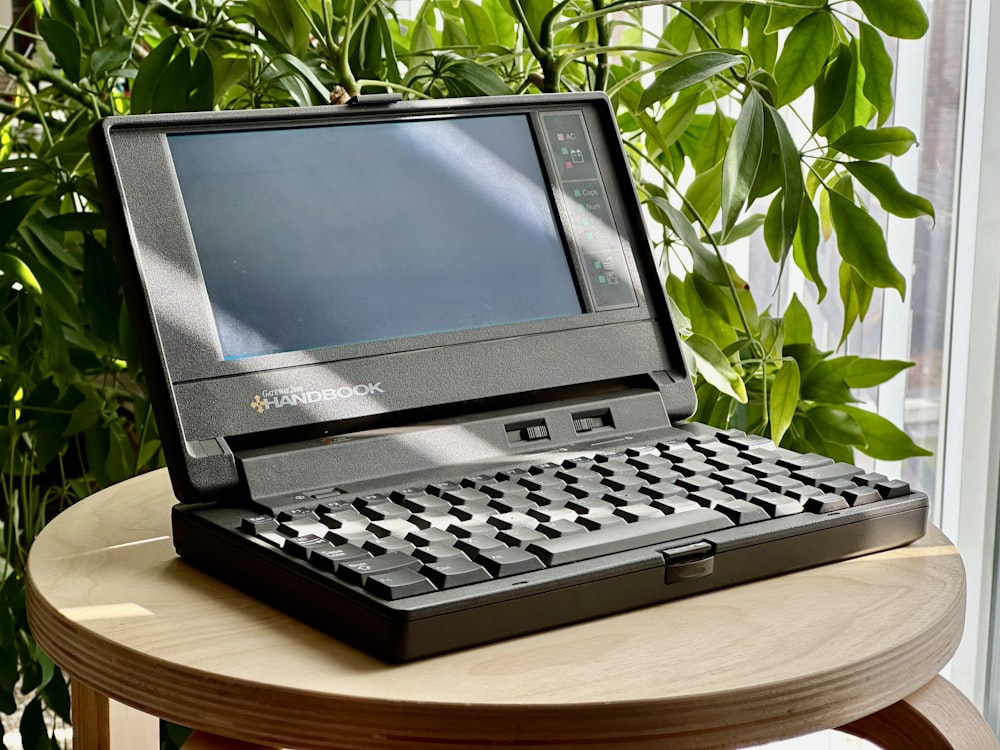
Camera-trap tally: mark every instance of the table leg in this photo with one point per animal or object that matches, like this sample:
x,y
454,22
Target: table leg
x,y
100,723
936,717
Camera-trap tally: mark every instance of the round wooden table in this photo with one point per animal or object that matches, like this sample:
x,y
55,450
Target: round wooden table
x,y
855,645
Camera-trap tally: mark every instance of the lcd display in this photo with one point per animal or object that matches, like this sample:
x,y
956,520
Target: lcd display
x,y
346,234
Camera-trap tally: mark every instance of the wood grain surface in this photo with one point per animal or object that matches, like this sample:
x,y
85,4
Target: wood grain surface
x,y
111,603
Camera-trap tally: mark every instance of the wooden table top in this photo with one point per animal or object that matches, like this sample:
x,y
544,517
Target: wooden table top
x,y
114,606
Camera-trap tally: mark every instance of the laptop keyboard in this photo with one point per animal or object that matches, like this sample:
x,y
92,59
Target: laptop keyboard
x,y
406,541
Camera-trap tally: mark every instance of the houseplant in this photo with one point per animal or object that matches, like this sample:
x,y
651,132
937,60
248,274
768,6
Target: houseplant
x,y
766,117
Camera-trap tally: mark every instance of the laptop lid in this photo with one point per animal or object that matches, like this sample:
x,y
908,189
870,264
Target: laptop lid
x,y
295,275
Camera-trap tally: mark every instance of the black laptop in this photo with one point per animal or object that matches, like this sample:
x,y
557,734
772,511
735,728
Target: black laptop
x,y
417,382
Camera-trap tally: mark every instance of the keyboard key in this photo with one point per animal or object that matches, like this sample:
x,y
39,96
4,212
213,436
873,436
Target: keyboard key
x,y
741,512
455,571
465,495
508,562
658,474
473,545
829,472
542,482
512,520
427,537
356,571
560,527
437,552
777,506
623,483
694,468
698,483
586,488
861,496
329,559
619,499
615,469
780,483
869,479
513,503
595,521
664,490
633,513
893,488
825,504
389,544
258,524
574,547
551,497
670,505
298,513
745,490
802,461
302,527
578,474
505,489
391,527
708,498
732,476
301,547
382,511
586,505
552,513
398,584
519,536
432,519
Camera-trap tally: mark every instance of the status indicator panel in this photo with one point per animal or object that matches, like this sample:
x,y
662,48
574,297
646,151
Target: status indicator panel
x,y
591,222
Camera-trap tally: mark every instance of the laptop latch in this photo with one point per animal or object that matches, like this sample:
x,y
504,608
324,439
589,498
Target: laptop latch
x,y
370,100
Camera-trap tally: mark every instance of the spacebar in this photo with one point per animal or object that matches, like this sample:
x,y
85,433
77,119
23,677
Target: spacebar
x,y
575,547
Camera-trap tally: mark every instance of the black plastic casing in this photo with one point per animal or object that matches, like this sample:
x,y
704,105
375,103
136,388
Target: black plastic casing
x,y
203,402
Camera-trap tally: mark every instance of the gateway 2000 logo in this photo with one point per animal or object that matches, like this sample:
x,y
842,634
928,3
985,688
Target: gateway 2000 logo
x,y
278,398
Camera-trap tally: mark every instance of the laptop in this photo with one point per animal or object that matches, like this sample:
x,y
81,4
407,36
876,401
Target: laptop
x,y
417,381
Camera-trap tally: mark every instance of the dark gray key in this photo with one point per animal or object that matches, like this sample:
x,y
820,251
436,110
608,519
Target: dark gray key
x,y
356,571
597,521
454,571
776,505
541,482
825,504
301,546
861,496
560,527
741,512
437,552
745,490
473,545
832,472
624,482
803,461
893,488
256,524
698,483
329,559
520,536
398,584
574,547
389,544
508,562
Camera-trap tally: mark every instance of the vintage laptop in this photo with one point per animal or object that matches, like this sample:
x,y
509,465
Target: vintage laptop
x,y
417,382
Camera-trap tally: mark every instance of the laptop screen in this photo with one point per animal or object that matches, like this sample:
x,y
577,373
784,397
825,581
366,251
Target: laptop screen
x,y
312,237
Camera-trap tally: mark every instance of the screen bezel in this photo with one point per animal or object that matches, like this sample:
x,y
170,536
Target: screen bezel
x,y
210,396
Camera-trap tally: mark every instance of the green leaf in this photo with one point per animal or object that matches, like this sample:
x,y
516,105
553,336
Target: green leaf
x,y
688,70
478,25
881,181
743,159
804,55
855,110
836,425
320,94
675,120
856,296
171,93
798,324
12,213
284,23
868,373
151,71
825,381
878,72
793,186
905,19
831,88
861,243
883,440
805,247
704,196
111,57
877,143
784,399
715,367
763,47
64,44
201,83
478,79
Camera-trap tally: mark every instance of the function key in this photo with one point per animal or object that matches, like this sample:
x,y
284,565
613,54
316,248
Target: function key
x,y
334,505
537,482
301,547
505,488
512,475
439,488
465,495
642,450
578,474
298,513
611,455
478,480
371,499
615,468
545,468
382,511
